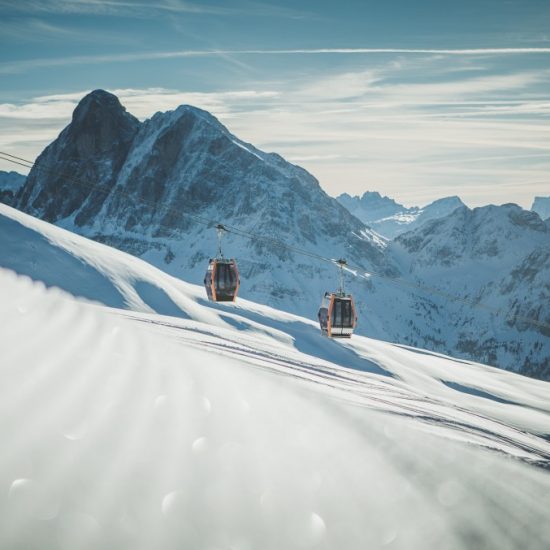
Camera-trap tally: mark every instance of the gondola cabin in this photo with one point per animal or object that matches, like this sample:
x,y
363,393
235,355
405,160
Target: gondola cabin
x,y
337,315
222,280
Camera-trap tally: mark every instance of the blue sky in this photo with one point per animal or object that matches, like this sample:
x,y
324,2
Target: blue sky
x,y
417,100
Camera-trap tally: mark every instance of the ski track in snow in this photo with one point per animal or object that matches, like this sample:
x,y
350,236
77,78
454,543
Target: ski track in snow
x,y
380,395
239,426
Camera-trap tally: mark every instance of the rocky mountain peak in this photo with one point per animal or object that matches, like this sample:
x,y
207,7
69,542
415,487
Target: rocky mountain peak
x,y
91,149
97,101
99,122
371,196
453,200
541,205
375,196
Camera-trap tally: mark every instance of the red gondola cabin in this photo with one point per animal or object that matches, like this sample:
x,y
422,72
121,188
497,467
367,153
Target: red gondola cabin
x,y
337,316
222,280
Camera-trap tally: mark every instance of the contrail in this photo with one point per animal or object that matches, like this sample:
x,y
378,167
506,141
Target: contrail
x,y
471,51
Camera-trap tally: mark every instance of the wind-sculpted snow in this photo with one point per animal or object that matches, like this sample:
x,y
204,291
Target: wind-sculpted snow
x,y
239,426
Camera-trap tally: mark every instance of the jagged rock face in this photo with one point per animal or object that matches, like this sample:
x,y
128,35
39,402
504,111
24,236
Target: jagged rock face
x,y
195,165
498,256
92,150
153,175
390,218
147,178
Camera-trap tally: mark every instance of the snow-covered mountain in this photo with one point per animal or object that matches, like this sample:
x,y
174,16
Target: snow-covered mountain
x,y
389,218
498,256
10,183
541,205
149,177
133,185
167,421
371,206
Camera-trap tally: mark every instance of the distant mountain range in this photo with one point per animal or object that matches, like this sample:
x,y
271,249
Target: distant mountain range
x,y
138,185
390,218
497,256
10,183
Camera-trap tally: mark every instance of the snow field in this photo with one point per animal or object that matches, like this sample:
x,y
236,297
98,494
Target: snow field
x,y
163,421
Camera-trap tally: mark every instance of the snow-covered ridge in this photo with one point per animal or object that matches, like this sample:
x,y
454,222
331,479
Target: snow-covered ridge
x,y
165,421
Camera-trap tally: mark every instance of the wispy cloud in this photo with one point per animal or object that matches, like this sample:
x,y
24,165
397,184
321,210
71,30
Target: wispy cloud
x,y
465,51
40,63
141,103
140,9
383,128
29,64
37,30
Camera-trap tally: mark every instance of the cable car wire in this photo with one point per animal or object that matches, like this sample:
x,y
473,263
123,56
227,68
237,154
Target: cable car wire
x,y
358,272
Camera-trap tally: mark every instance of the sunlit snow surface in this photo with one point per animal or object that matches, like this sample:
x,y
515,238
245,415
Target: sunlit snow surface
x,y
239,426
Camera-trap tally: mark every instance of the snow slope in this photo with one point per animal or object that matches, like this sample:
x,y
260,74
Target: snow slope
x,y
163,421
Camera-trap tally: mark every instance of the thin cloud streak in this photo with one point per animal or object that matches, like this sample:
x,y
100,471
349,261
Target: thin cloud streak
x,y
136,9
22,66
468,51
388,137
